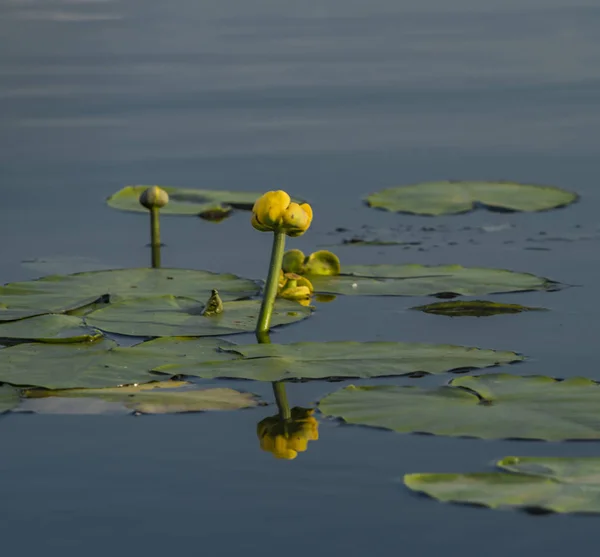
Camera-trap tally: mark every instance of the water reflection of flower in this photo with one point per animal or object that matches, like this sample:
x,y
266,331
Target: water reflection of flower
x,y
286,438
288,432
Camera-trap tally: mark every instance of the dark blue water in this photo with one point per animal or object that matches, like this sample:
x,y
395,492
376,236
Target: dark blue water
x,y
329,100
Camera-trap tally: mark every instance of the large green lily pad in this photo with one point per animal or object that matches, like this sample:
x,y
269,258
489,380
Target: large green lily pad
x,y
473,308
177,316
322,360
185,201
163,397
562,485
444,198
49,328
101,364
494,406
61,293
426,280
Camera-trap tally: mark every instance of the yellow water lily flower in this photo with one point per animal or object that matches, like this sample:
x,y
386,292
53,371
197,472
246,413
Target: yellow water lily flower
x,y
286,438
295,287
274,211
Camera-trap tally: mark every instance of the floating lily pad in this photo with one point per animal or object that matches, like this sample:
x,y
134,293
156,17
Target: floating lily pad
x,y
474,308
9,398
101,364
49,328
494,406
177,316
322,360
162,398
61,293
425,280
444,198
562,485
185,201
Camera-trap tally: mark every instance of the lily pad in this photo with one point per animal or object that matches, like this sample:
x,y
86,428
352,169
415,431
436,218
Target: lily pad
x,y
562,485
61,293
49,328
474,308
494,406
425,280
162,398
185,201
101,364
9,398
445,198
178,316
326,360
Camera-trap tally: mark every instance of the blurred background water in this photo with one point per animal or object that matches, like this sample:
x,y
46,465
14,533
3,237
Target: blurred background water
x,y
328,100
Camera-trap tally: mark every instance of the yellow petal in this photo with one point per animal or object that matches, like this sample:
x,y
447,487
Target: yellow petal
x,y
293,261
270,208
295,219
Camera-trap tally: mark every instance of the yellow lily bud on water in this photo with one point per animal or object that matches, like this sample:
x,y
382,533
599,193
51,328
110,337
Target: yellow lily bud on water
x,y
274,211
295,287
286,438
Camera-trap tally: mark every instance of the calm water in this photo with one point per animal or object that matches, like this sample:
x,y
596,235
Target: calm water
x,y
329,100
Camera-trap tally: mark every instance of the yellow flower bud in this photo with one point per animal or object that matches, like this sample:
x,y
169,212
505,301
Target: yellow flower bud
x,y
295,287
154,198
274,211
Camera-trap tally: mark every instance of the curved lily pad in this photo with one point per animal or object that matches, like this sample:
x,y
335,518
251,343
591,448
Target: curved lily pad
x,y
322,360
444,198
185,201
177,316
162,398
474,308
49,328
562,485
61,293
9,398
425,280
101,364
494,406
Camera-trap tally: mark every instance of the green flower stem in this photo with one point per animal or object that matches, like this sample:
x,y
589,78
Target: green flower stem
x,y
270,293
155,237
281,400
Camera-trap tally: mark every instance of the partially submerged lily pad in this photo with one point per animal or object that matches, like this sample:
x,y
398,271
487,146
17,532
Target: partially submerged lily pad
x,y
494,406
61,293
443,198
178,316
562,485
323,360
426,280
101,364
49,328
473,308
185,201
163,397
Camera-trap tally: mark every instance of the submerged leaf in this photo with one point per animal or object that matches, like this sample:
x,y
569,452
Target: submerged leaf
x,y
474,308
322,360
61,293
161,398
442,198
176,316
562,485
494,406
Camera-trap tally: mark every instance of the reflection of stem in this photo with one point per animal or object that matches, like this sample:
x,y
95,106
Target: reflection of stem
x,y
281,400
155,237
266,309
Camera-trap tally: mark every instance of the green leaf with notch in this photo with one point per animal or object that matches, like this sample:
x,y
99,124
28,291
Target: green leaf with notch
x,y
445,198
326,360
